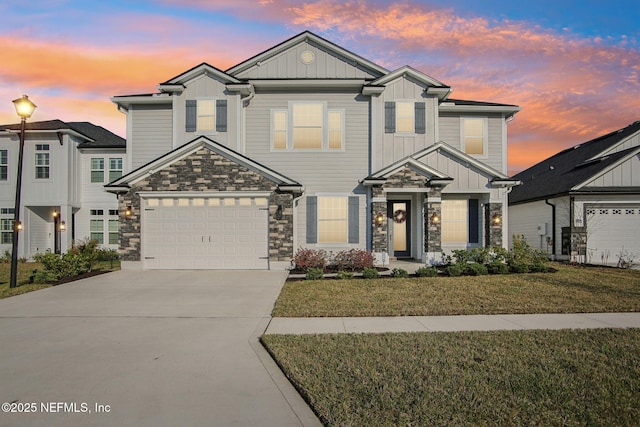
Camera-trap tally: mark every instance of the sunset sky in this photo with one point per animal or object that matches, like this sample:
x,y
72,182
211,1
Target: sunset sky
x,y
573,66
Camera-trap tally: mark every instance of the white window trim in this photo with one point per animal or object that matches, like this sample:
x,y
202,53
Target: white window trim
x,y
214,131
413,104
485,137
35,162
6,165
320,244
108,169
91,170
325,129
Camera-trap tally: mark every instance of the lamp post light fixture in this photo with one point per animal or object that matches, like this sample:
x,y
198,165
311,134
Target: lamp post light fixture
x,y
24,109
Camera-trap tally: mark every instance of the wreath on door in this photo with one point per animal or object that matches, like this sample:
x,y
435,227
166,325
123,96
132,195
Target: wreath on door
x,y
399,216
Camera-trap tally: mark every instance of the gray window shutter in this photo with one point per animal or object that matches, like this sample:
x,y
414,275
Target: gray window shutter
x,y
221,115
192,115
354,216
389,117
312,219
420,117
474,213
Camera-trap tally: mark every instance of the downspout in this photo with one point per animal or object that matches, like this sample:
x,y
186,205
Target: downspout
x,y
553,228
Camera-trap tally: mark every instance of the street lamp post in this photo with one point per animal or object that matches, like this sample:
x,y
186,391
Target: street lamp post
x,y
24,108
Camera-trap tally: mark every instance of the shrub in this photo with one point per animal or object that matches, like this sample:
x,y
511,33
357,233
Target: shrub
x,y
306,259
42,276
519,267
455,270
399,272
476,269
353,260
88,249
427,272
343,275
6,257
481,255
68,265
497,267
461,256
370,273
314,274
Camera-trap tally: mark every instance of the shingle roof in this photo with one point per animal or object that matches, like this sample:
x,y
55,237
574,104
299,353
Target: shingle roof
x,y
96,136
561,172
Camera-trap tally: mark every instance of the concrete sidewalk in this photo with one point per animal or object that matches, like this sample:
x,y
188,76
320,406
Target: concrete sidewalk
x,y
336,325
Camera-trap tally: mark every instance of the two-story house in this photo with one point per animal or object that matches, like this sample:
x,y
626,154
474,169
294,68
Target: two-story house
x,y
308,145
65,168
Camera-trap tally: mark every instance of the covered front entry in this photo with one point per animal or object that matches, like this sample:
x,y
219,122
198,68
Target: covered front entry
x,y
400,231
205,232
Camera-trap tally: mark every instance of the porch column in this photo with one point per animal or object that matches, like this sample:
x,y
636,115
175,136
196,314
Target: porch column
x,y
433,221
378,228
493,224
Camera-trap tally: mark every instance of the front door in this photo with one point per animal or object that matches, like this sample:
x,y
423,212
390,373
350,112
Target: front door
x,y
399,212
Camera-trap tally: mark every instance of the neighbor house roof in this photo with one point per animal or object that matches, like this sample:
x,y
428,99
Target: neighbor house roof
x,y
563,172
93,136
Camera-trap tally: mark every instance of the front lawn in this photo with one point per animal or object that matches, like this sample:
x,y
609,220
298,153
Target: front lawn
x,y
514,378
569,290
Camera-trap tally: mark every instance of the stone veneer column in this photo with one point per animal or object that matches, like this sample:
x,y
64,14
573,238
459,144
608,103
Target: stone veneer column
x,y
281,227
378,231
493,232
433,230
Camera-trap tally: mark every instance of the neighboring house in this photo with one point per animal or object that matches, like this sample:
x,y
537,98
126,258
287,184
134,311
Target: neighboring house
x,y
583,201
65,168
308,145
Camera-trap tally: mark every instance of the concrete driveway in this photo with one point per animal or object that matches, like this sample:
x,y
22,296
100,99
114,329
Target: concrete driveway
x,y
146,348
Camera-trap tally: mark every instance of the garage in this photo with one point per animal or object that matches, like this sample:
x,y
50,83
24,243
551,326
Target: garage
x,y
610,230
194,232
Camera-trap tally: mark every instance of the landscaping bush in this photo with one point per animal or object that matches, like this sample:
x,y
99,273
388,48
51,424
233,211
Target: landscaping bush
x,y
370,273
344,275
306,259
481,255
6,257
42,276
461,256
314,274
519,267
455,270
57,267
353,260
497,267
476,269
427,272
399,272
87,249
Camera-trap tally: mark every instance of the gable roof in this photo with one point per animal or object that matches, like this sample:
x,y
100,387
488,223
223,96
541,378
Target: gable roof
x,y
567,170
124,182
462,105
93,136
306,36
178,81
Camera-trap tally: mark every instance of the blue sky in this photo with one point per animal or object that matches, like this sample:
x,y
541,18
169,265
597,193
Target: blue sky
x,y
573,66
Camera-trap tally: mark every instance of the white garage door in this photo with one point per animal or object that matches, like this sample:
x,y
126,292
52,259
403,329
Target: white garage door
x,y
611,230
205,233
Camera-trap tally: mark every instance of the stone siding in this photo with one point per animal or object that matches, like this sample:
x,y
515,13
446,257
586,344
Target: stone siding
x,y
493,232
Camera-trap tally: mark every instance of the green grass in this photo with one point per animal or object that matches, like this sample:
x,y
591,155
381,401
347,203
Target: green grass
x,y
569,290
24,271
510,378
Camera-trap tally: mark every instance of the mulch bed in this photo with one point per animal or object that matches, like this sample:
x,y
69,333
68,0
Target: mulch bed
x,y
80,276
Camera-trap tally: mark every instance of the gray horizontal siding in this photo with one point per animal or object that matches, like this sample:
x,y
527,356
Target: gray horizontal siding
x,y
152,133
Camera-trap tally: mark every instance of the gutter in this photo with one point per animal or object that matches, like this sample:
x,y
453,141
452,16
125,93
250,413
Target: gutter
x,y
553,227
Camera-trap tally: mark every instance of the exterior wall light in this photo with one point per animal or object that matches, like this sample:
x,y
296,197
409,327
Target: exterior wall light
x,y
128,211
496,219
278,214
19,226
435,219
63,226
379,218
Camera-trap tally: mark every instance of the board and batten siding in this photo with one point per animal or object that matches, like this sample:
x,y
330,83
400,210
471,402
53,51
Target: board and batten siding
x,y
466,178
152,133
391,147
627,174
633,141
289,65
207,86
450,132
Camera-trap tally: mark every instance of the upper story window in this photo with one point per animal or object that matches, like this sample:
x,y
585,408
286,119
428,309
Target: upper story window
x,y
97,170
206,115
4,165
115,168
42,161
307,126
405,117
474,136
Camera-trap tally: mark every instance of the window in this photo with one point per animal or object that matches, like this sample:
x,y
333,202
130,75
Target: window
x,y
97,230
4,162
474,131
97,212
307,126
454,221
97,170
332,219
113,212
42,161
407,117
7,211
6,231
206,115
115,169
113,231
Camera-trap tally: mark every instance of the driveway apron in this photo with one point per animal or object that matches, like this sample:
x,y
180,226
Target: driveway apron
x,y
146,348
